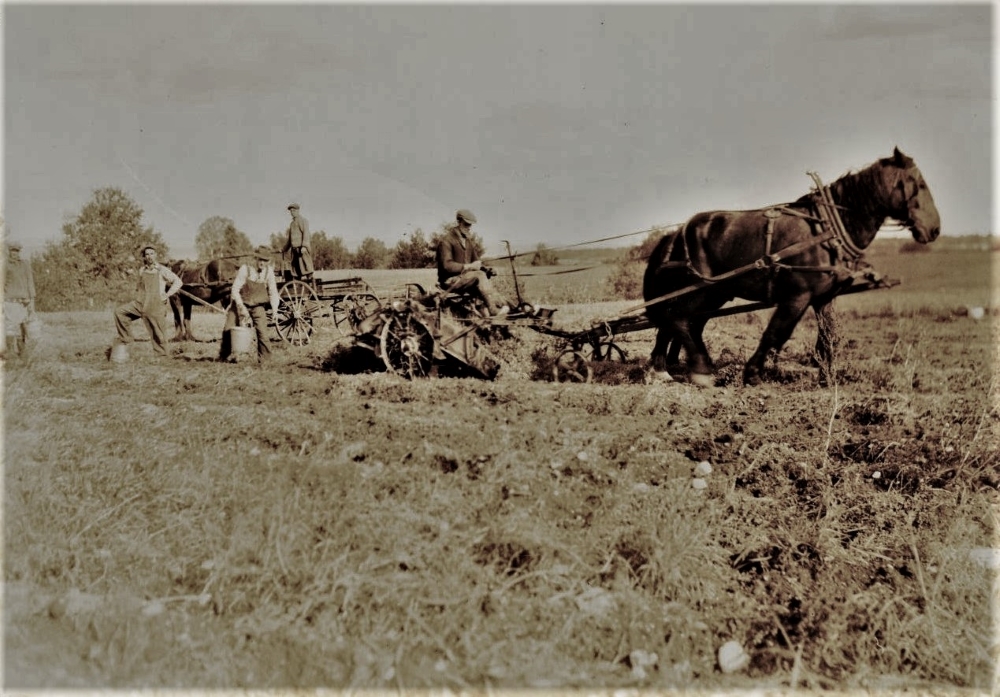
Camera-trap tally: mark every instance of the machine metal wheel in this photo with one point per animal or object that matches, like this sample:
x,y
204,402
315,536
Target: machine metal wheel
x,y
571,366
299,303
351,310
407,346
609,351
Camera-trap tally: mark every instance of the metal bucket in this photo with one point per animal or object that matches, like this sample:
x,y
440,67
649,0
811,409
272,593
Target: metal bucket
x,y
33,329
119,353
241,339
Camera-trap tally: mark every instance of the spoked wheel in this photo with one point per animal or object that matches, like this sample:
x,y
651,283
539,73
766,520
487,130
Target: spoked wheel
x,y
299,303
571,366
407,346
351,310
609,351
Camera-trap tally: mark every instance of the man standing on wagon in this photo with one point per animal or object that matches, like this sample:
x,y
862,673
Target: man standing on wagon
x,y
254,288
298,243
150,303
459,267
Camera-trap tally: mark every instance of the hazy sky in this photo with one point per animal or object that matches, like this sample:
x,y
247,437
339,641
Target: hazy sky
x,y
556,124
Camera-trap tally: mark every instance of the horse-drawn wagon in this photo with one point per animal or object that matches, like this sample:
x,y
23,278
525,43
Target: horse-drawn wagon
x,y
302,302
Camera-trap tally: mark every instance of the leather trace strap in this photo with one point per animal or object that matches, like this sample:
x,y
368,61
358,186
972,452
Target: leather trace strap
x,y
830,213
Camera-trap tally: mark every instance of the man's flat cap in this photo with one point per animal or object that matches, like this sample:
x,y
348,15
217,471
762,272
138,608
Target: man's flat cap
x,y
14,245
293,206
465,215
262,252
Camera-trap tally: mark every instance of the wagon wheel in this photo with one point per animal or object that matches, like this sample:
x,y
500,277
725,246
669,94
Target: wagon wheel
x,y
351,310
571,366
609,351
407,346
298,303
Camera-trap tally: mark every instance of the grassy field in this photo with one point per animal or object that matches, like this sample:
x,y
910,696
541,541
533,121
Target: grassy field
x,y
179,523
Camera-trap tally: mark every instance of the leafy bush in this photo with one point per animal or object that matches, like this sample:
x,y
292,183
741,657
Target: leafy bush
x,y
544,256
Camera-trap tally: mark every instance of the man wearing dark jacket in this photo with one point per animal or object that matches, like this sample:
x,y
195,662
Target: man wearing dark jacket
x,y
459,266
297,243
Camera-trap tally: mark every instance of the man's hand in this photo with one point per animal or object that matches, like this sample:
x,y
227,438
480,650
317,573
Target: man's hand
x,y
474,265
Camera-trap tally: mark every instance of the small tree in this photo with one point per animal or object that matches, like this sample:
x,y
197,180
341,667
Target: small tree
x,y
371,254
93,264
328,252
218,237
544,256
412,253
108,233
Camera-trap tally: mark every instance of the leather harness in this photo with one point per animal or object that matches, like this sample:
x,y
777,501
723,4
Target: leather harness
x,y
835,238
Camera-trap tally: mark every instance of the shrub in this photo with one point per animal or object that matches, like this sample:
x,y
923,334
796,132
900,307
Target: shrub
x,y
544,256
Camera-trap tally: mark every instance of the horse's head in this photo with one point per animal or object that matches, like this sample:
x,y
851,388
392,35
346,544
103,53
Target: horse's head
x,y
910,197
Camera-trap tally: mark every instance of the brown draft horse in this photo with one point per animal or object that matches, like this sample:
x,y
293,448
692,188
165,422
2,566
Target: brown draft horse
x,y
208,281
715,243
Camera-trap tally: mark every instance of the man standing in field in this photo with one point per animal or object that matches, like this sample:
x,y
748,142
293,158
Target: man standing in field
x,y
459,267
298,243
254,288
18,297
150,302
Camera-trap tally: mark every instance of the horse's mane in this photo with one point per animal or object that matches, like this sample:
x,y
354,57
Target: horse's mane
x,y
861,192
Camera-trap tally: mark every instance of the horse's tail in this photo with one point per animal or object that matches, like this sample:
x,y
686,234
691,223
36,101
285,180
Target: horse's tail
x,y
666,254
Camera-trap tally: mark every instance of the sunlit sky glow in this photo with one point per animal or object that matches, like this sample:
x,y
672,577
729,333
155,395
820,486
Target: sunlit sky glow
x,y
556,124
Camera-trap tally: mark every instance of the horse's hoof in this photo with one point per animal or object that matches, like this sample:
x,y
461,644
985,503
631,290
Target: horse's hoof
x,y
660,376
751,379
702,380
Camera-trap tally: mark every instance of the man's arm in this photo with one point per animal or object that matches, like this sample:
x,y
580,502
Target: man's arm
x,y
272,291
31,286
170,277
234,291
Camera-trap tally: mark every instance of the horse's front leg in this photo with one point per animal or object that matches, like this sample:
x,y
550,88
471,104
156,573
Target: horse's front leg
x,y
658,358
826,339
778,331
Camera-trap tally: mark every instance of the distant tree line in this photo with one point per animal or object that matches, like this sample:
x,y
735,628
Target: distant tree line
x,y
93,264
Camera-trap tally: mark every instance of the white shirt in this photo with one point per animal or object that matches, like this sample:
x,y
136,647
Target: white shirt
x,y
249,273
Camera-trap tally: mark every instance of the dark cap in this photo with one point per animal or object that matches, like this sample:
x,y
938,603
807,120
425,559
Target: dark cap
x,y
14,245
262,252
293,206
148,246
466,215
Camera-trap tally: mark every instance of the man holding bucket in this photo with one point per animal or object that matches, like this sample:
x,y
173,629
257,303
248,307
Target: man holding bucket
x,y
150,305
254,288
18,298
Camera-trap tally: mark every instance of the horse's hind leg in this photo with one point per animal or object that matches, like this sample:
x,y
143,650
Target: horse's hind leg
x,y
778,331
826,339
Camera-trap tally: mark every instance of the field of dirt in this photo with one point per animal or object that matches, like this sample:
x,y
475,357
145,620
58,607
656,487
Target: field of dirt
x,y
180,523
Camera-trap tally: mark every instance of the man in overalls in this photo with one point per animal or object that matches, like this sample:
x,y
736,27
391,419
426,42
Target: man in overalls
x,y
150,304
254,289
298,244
